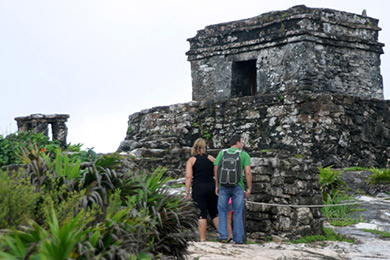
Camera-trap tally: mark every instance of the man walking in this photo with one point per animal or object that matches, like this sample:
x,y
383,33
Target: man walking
x,y
228,185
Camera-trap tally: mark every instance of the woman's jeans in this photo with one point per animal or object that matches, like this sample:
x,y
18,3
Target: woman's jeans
x,y
237,195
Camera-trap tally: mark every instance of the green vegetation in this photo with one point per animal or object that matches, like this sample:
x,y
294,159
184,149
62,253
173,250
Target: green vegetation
x,y
354,168
11,146
330,179
329,235
284,14
206,135
334,192
383,234
337,212
17,200
345,221
379,176
80,206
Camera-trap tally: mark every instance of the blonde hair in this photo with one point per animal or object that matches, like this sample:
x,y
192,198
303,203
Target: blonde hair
x,y
199,147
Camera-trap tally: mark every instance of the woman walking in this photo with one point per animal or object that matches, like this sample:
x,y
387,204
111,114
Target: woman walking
x,y
199,172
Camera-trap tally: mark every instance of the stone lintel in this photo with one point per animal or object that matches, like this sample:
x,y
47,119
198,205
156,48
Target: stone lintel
x,y
326,26
57,117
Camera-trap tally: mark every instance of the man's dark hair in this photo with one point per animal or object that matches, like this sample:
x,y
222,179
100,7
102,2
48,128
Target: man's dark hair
x,y
234,139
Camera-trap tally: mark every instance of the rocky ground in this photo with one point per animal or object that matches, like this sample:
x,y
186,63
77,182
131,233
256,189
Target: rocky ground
x,y
367,246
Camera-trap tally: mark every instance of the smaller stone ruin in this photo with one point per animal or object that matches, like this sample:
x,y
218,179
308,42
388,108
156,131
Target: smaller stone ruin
x,y
40,124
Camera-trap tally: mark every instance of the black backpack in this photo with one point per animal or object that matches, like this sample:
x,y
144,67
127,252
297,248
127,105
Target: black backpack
x,y
229,168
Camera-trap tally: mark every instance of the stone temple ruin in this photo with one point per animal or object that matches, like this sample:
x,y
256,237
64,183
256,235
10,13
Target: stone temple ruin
x,y
300,50
302,86
40,124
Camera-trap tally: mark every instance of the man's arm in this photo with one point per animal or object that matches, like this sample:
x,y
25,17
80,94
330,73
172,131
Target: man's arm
x,y
248,177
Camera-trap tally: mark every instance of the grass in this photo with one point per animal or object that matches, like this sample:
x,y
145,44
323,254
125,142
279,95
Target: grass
x,y
338,212
383,234
354,168
343,222
329,235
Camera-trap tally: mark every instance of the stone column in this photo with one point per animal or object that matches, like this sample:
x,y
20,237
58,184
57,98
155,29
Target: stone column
x,y
60,131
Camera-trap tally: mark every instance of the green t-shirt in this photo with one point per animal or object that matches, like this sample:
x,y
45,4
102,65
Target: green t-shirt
x,y
245,160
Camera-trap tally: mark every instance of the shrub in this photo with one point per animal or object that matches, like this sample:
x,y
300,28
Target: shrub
x,y
18,198
134,216
11,145
151,224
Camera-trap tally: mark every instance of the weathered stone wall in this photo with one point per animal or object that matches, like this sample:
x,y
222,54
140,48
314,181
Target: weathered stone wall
x,y
281,178
331,129
301,49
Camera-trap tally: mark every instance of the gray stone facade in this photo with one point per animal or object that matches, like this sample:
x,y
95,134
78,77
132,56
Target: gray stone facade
x,y
301,49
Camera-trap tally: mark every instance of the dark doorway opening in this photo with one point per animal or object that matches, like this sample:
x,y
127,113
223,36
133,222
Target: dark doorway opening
x,y
244,78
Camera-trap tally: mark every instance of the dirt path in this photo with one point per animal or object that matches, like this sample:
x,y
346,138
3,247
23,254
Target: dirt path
x,y
369,246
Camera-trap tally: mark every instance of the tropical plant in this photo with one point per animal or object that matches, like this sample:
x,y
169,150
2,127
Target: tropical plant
x,y
123,235
59,242
379,176
330,179
175,216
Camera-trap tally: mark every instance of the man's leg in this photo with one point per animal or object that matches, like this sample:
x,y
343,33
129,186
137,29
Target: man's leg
x,y
223,200
229,224
238,207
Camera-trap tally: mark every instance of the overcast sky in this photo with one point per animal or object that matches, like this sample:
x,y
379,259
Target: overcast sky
x,y
100,61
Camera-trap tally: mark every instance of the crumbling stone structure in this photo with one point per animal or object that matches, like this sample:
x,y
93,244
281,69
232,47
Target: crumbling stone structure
x,y
40,124
301,49
302,86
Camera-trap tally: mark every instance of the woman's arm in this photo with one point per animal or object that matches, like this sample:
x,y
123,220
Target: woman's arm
x,y
188,178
